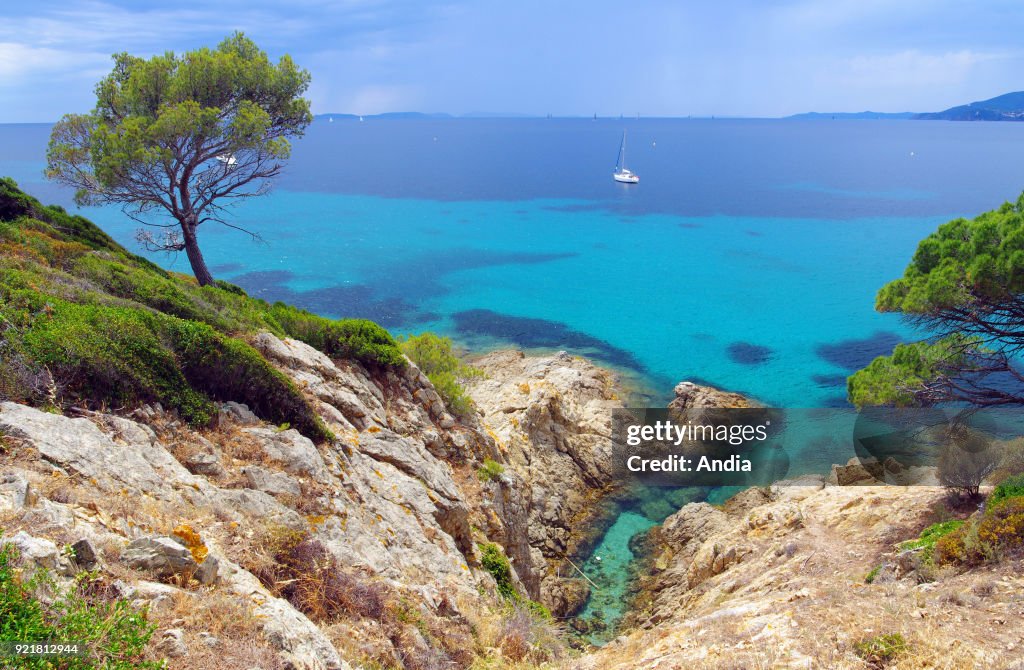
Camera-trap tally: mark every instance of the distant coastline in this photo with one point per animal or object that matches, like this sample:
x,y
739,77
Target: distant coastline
x,y
852,115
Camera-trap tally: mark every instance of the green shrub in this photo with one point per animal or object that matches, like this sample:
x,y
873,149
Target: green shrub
x,y
112,356
985,537
114,633
366,342
363,340
435,357
121,356
870,577
928,538
494,561
1010,488
228,369
490,470
880,650
539,611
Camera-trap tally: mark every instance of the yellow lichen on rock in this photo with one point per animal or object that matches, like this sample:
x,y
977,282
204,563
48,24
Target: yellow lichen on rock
x,y
192,541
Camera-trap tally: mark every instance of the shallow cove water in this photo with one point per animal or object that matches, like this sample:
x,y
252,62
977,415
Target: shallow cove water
x,y
747,257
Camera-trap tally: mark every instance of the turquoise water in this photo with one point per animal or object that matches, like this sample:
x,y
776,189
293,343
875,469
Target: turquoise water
x,y
608,568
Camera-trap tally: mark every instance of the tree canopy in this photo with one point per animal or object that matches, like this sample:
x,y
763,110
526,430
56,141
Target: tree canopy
x,y
177,138
965,288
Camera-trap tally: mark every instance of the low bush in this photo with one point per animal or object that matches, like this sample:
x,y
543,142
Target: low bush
x,y
112,632
117,356
965,461
1011,487
985,537
435,356
928,538
490,470
493,560
303,572
111,356
360,339
228,369
881,650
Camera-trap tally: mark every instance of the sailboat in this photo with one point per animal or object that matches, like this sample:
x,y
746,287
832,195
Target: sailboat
x,y
621,174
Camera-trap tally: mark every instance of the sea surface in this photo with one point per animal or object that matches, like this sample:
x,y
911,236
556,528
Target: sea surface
x,y
747,257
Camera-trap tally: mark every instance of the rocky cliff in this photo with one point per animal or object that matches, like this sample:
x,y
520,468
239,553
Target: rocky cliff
x,y
800,575
551,419
395,503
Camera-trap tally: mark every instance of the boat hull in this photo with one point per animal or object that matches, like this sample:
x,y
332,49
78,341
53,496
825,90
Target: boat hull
x,y
626,178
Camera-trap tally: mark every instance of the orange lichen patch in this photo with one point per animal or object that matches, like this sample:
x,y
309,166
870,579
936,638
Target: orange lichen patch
x,y
373,429
192,541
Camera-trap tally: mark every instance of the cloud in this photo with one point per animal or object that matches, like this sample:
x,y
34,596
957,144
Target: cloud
x,y
911,69
19,62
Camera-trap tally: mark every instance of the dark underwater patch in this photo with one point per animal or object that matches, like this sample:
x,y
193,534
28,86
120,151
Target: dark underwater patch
x,y
531,333
837,402
343,301
746,353
829,380
421,277
855,354
754,233
689,226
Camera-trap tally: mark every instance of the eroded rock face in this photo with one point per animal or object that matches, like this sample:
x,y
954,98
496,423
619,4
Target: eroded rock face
x,y
777,579
551,416
395,498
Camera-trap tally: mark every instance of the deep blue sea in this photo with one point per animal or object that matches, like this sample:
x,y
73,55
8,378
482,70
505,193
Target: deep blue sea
x,y
748,256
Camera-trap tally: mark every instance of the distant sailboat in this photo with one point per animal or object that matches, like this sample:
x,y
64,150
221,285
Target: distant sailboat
x,y
621,174
228,160
330,119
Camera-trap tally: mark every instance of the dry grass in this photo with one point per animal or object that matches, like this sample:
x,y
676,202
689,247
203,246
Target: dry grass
x,y
240,640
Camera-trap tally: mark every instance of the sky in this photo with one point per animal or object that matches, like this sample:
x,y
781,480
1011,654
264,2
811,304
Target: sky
x,y
567,58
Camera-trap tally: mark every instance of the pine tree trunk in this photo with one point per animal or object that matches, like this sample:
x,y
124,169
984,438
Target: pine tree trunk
x,y
195,257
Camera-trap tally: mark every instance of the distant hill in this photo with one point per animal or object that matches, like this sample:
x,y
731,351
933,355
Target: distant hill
x,y
853,115
1006,107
